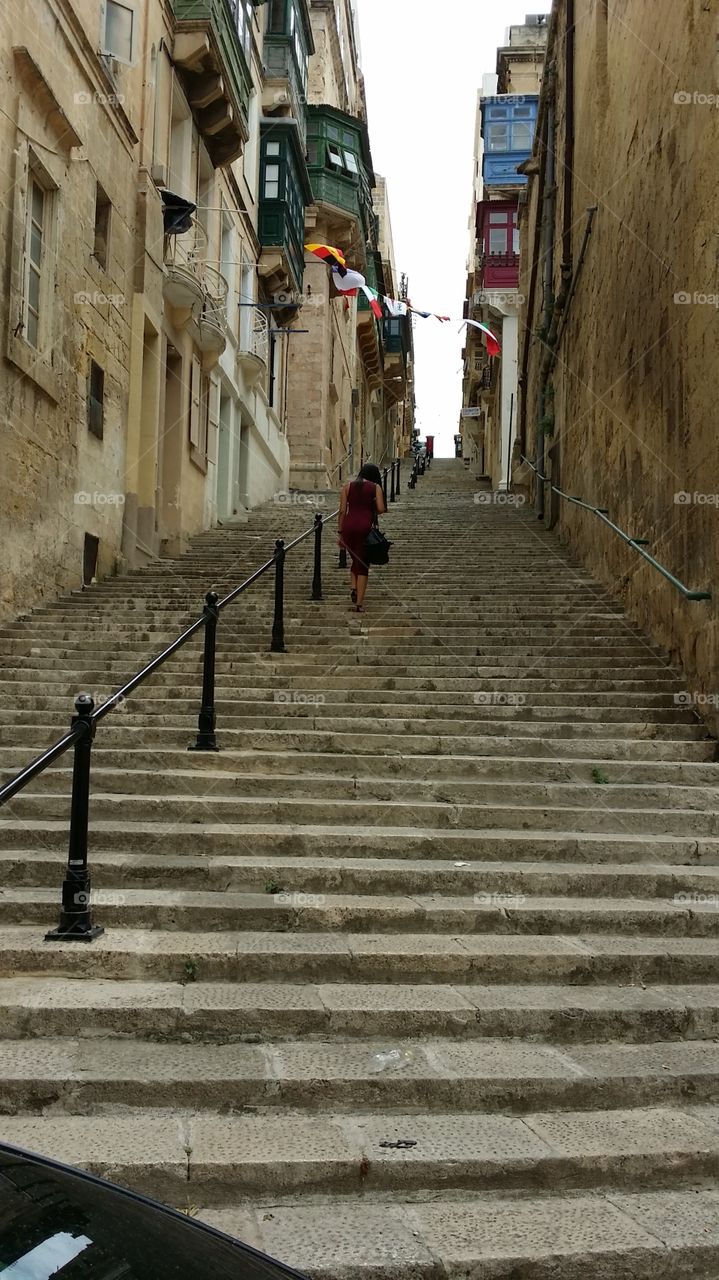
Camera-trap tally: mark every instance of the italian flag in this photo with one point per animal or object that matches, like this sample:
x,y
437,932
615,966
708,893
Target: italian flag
x,y
493,345
372,297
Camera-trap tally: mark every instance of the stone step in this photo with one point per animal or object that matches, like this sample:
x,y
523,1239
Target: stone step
x,y
588,741
71,1075
609,1235
294,708
273,767
226,1156
228,1012
223,955
278,839
690,885
226,783
590,810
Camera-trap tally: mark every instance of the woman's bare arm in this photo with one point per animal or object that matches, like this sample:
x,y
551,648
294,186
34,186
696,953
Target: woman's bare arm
x,y
379,499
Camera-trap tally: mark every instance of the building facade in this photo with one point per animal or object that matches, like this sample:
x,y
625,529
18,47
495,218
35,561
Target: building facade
x,y
163,168
349,372
504,132
619,358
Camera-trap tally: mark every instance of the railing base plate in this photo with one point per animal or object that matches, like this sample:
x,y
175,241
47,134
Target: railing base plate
x,y
73,934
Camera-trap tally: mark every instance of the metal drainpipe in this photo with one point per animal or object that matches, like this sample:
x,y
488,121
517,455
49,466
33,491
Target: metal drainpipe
x,y
548,214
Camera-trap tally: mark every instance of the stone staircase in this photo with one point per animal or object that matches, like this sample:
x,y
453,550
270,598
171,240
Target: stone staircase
x,y
417,977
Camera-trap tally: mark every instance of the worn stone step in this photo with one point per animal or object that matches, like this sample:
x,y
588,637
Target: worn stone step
x,y
588,740
593,813
228,1012
690,884
184,839
73,1075
223,1156
487,911
294,711
225,955
523,766
271,767
609,1235
136,783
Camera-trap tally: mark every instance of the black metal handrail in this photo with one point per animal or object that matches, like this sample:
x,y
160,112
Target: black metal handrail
x,y
638,544
75,912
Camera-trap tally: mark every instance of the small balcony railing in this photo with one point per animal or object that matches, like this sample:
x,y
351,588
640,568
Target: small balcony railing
x,y
191,284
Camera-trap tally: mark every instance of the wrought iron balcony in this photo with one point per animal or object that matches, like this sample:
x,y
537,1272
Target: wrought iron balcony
x,y
254,352
191,286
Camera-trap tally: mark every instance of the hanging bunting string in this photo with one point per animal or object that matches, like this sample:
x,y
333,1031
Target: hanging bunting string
x,y
349,282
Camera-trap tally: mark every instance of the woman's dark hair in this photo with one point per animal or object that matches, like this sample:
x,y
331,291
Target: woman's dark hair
x,y
370,472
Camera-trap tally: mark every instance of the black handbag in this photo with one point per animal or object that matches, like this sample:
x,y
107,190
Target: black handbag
x,y
376,547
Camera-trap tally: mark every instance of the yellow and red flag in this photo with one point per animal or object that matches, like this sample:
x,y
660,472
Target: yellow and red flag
x,y
327,253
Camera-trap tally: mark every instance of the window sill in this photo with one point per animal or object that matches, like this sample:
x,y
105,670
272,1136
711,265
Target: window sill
x,y
34,365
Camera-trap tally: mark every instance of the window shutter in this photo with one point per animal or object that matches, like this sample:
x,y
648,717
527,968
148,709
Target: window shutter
x,y
213,421
195,403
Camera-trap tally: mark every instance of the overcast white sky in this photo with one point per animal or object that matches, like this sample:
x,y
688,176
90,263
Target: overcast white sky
x,y
423,64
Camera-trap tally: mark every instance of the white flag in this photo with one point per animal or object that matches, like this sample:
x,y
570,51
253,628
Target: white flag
x,y
395,308
350,280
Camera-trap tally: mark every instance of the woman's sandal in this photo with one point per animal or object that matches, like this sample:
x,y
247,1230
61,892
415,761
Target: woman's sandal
x,y
353,595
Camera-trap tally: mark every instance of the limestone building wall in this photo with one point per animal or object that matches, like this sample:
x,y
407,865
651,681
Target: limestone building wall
x,y
634,387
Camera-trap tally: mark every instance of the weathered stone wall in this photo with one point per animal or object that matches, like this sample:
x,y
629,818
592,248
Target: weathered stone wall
x,y
58,481
636,379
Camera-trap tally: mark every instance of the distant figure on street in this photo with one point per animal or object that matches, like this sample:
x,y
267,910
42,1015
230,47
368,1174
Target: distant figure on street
x,y
430,451
361,501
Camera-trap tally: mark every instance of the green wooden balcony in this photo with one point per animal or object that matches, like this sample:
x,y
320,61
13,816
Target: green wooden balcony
x,y
283,82
217,78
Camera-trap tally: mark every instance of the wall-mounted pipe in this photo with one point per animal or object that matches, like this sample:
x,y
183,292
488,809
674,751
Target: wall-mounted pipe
x,y
548,217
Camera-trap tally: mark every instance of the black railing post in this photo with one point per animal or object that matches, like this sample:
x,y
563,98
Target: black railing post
x,y
398,487
75,914
391,488
207,720
278,623
317,576
342,561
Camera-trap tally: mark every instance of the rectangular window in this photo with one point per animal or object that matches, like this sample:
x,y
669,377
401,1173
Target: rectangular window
x,y
119,33
350,162
521,137
243,21
276,17
96,400
501,234
35,233
101,243
334,157
497,138
272,181
312,152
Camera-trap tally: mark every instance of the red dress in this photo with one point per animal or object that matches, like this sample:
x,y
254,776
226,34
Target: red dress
x,y
357,522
